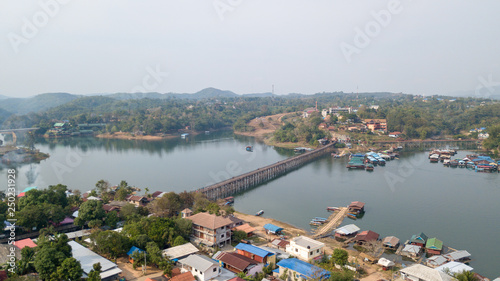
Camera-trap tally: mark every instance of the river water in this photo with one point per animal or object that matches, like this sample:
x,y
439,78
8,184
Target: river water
x,y
407,196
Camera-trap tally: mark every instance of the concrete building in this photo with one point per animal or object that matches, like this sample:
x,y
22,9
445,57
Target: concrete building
x,y
305,248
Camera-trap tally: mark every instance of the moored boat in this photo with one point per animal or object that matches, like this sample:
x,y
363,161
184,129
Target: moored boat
x,y
369,167
249,148
332,209
259,213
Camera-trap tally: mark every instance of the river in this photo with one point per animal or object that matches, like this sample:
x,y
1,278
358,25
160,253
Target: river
x,y
406,197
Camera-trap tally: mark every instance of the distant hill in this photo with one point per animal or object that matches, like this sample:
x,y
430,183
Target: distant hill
x,y
482,93
37,103
82,105
203,94
259,95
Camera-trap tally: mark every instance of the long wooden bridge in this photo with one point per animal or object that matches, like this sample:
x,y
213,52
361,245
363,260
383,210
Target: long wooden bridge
x,y
251,179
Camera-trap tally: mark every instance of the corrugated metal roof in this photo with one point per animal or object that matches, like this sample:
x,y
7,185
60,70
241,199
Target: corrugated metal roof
x,y
437,260
419,238
458,255
254,250
133,249
199,262
87,259
180,251
434,244
412,249
304,268
426,273
347,229
454,267
390,241
306,242
272,227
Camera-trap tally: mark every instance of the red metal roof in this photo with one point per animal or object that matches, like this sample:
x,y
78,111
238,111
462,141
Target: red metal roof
x,y
25,243
366,235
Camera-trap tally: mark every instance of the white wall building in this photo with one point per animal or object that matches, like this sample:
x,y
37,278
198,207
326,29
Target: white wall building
x,y
305,248
203,268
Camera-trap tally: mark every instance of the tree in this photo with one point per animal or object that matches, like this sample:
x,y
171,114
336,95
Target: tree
x,y
112,219
110,243
466,276
239,235
340,257
121,194
102,186
47,260
228,210
70,270
95,273
179,241
213,208
89,211
128,211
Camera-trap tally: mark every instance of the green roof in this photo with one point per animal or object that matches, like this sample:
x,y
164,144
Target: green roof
x,y
59,124
434,244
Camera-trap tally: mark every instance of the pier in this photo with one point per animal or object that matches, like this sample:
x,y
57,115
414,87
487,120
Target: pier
x,y
251,179
334,221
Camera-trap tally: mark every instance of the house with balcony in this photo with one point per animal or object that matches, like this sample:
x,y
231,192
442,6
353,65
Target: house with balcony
x,y
305,248
212,230
376,124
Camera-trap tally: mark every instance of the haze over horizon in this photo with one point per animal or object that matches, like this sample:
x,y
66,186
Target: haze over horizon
x,y
247,46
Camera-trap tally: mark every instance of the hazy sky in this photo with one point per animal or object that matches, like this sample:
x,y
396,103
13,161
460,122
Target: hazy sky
x,y
246,46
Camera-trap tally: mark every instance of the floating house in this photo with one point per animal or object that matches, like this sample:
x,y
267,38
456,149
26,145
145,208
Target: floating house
x,y
419,239
391,242
434,246
357,207
411,251
436,261
460,256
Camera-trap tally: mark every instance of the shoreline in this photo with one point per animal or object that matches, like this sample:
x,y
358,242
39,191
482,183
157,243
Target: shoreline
x,y
130,136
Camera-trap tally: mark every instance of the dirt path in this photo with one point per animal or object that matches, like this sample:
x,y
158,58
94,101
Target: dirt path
x,y
265,125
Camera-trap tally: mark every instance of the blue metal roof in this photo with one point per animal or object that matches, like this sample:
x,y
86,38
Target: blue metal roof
x,y
272,228
133,249
254,250
304,268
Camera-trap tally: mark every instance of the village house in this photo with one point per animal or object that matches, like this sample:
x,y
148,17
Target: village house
x,y
245,228
255,253
238,263
297,270
366,236
212,230
279,244
308,111
179,252
436,261
376,124
305,248
335,110
346,231
203,268
395,134
460,256
186,213
137,200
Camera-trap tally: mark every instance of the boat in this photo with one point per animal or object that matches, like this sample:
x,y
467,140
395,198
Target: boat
x,y
259,213
369,167
446,162
185,135
229,200
249,148
315,223
332,209
351,216
434,158
319,219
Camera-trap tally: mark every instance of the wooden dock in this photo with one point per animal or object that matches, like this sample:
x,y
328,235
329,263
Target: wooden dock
x,y
334,221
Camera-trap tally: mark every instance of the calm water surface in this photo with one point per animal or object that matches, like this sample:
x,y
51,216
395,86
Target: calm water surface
x,y
405,197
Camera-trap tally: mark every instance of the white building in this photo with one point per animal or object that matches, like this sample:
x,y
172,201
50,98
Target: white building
x,y
336,110
305,248
203,268
418,272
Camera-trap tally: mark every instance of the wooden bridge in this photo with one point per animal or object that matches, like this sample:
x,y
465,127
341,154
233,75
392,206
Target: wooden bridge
x,y
334,221
251,179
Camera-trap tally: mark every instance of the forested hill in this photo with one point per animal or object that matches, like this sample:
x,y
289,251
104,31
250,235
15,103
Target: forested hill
x,y
37,103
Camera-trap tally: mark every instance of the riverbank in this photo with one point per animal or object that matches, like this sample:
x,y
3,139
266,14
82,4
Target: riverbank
x,y
16,155
130,136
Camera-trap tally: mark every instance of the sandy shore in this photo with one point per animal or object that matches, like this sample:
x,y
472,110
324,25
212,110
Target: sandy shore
x,y
258,223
